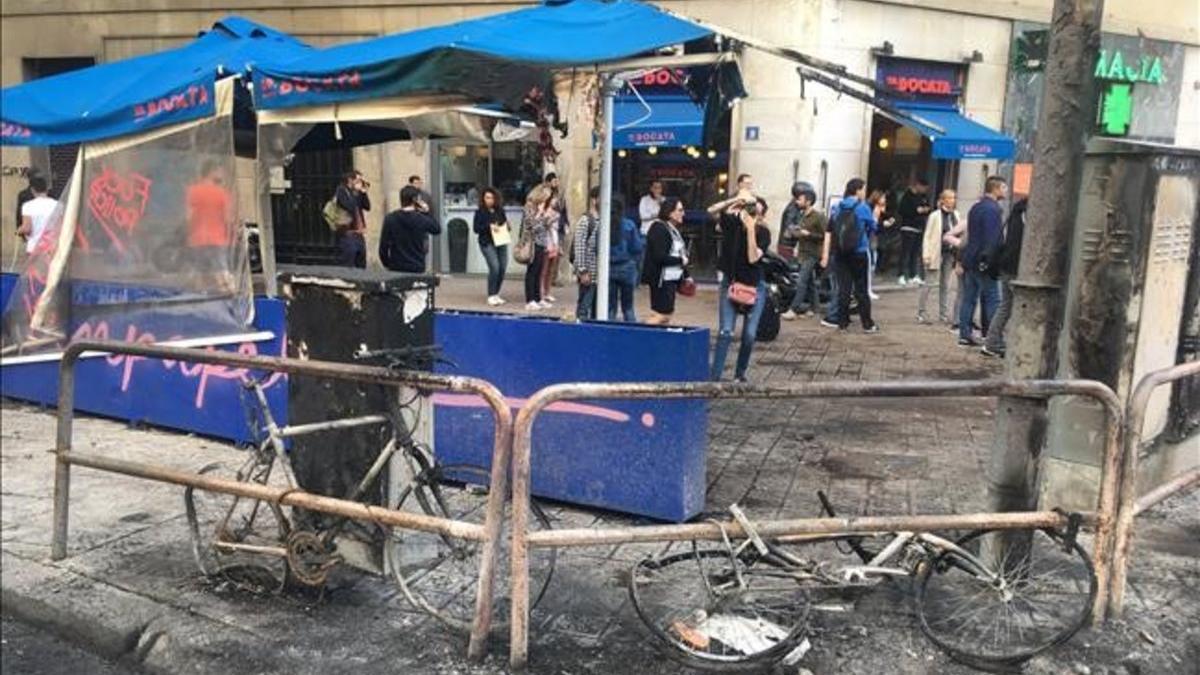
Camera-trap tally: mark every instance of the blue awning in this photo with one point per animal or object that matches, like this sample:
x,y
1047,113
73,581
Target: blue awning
x,y
140,93
664,122
954,136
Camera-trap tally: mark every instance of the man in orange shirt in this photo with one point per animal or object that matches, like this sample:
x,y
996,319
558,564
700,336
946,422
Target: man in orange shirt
x,y
210,216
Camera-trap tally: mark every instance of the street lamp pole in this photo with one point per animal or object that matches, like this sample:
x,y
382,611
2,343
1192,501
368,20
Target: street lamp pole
x,y
608,90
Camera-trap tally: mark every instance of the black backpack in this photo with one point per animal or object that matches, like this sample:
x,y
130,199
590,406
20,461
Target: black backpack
x,y
848,232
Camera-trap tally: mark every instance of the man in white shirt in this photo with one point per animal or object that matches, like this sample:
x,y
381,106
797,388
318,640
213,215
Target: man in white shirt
x,y
650,204
35,213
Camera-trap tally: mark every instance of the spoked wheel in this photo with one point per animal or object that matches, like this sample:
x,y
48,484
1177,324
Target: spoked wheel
x,y
440,574
238,538
1035,602
717,613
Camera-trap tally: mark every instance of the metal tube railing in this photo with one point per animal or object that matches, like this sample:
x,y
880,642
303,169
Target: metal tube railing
x,y
1128,503
489,533
522,539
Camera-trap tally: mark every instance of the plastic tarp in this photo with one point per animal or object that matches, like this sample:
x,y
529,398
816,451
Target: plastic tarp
x,y
146,246
955,136
493,58
138,94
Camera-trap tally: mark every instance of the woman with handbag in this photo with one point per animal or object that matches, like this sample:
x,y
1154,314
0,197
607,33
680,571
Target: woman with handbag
x,y
666,261
491,226
743,292
536,222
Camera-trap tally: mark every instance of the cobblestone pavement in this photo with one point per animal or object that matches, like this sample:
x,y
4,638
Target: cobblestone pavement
x,y
890,456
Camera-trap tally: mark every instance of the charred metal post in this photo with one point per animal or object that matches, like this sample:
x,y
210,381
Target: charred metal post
x,y
1040,287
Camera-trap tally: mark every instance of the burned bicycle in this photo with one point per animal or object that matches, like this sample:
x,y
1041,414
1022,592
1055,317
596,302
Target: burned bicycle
x,y
991,597
260,545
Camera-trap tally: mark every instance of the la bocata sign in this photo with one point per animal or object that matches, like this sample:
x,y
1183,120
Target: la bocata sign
x,y
1113,65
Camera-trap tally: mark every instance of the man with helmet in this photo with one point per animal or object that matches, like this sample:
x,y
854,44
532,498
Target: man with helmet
x,y
801,236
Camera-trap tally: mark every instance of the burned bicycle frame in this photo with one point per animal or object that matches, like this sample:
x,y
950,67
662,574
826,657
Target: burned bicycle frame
x,y
488,534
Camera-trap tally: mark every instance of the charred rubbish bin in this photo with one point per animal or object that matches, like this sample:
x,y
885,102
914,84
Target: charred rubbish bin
x,y
338,314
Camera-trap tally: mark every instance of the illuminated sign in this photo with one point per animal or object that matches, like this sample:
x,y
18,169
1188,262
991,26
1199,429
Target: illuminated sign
x,y
1114,66
920,81
919,85
1116,109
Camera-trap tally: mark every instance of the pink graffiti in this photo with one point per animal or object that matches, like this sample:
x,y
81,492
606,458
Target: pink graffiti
x,y
201,372
567,407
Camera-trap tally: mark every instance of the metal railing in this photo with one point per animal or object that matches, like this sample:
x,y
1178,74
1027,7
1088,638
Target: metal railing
x,y
522,539
1129,505
488,533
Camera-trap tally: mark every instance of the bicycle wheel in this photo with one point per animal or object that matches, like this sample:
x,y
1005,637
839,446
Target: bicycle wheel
x,y
440,574
718,614
1033,603
238,538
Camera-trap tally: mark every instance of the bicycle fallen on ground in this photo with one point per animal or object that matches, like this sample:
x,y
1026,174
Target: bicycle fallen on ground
x,y
988,598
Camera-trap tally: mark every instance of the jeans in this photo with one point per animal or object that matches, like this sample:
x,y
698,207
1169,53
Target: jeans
x,y
910,254
585,307
852,273
496,258
352,250
806,284
833,311
995,334
622,282
977,288
533,275
727,315
945,274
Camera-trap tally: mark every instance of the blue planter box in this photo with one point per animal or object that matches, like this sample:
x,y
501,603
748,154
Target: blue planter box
x,y
190,397
644,457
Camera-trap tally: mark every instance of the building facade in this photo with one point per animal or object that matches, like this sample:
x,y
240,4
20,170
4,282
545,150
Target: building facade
x,y
779,133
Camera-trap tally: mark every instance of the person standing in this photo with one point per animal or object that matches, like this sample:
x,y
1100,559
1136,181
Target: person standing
x,y
491,227
914,210
556,237
625,255
210,219
878,201
744,239
985,233
27,194
404,241
802,233
35,212
666,261
650,205
939,255
851,225
584,253
539,219
351,197
425,200
1007,268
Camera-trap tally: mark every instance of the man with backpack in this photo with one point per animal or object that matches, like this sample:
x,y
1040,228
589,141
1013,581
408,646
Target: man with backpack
x,y
344,215
851,225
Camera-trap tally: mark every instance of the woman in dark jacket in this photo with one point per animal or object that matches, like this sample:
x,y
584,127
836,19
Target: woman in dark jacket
x,y
666,261
489,218
626,245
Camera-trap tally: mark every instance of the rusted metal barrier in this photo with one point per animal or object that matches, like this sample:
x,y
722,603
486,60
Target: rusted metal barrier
x,y
1129,506
489,533
522,539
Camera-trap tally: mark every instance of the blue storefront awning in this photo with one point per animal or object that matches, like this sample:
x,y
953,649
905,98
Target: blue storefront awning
x,y
954,136
664,122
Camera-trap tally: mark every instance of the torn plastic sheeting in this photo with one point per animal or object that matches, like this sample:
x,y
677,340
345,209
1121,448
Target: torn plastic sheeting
x,y
749,636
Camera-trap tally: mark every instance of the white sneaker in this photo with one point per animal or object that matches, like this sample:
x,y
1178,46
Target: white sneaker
x,y
549,298
789,315
533,307
492,301
903,281
501,301
545,304
919,281
874,296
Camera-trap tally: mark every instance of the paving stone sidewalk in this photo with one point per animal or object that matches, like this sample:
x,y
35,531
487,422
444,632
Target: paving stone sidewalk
x,y
130,588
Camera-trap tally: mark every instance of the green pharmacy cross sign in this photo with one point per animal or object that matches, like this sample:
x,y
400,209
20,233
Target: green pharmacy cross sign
x,y
1116,109
1114,66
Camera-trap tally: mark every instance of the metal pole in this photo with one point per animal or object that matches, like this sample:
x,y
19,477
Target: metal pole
x,y
62,450
1040,288
608,89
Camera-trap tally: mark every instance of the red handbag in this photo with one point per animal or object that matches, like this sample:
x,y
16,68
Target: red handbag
x,y
687,287
743,296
